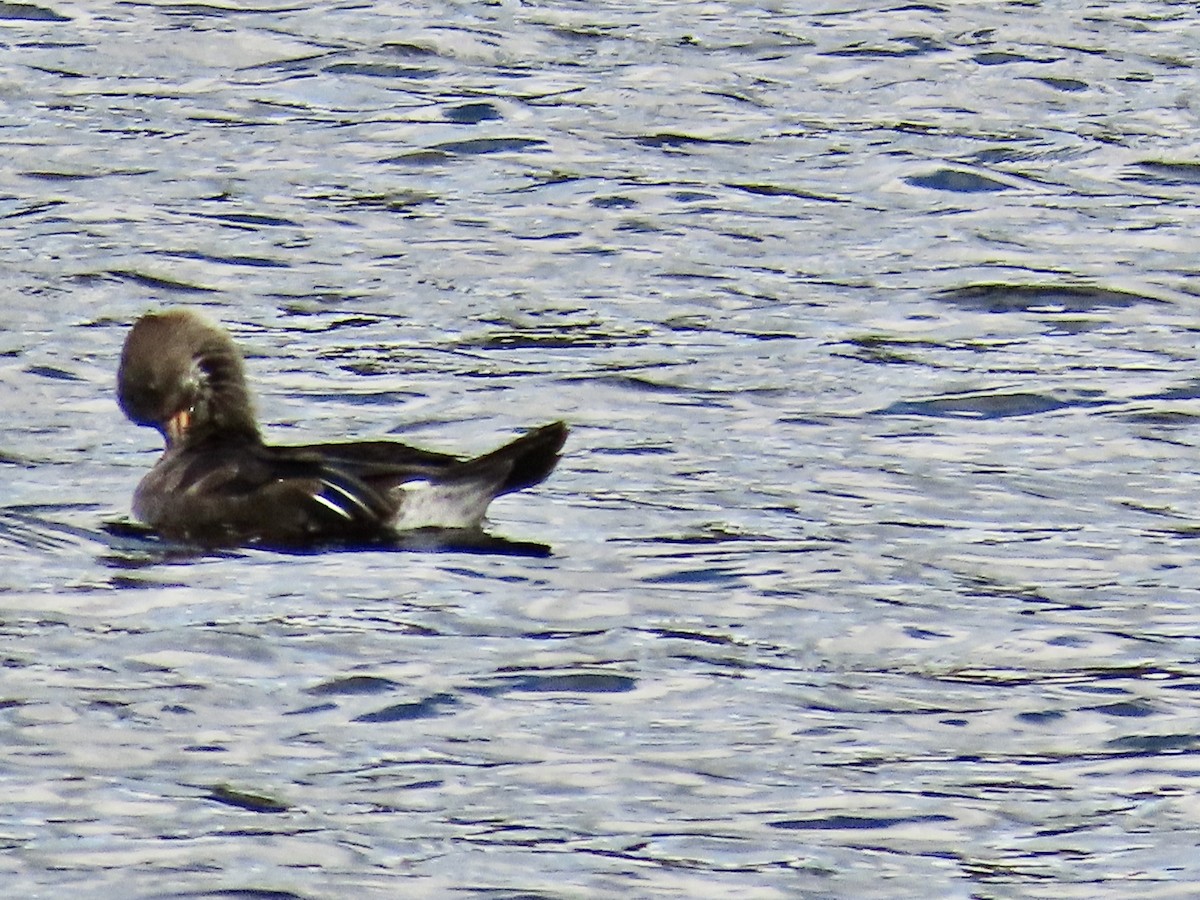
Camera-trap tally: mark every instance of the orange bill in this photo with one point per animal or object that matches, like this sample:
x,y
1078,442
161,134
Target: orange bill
x,y
177,426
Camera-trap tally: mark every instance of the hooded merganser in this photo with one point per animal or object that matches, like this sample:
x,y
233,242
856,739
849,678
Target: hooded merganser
x,y
218,484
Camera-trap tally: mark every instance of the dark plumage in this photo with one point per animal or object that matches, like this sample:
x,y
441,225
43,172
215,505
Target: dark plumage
x,y
218,484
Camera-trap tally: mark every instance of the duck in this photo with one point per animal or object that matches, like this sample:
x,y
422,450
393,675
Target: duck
x,y
218,483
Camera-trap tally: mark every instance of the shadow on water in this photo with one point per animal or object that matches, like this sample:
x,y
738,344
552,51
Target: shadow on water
x,y
426,540
131,545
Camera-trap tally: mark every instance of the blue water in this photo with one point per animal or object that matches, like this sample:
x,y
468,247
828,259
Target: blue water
x,y
872,572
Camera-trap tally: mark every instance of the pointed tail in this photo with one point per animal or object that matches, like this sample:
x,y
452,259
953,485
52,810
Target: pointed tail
x,y
528,459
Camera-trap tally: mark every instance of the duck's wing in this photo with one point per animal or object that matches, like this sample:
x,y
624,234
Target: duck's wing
x,y
379,458
385,465
272,496
435,490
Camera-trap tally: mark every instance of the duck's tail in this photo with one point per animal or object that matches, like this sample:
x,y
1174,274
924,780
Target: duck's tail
x,y
527,460
458,497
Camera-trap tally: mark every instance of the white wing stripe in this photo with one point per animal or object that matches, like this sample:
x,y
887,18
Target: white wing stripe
x,y
342,500
326,502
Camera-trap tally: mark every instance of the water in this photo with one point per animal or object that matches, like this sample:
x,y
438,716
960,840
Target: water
x,y
872,576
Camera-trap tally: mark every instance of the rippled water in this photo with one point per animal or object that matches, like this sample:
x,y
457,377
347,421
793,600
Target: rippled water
x,y
872,577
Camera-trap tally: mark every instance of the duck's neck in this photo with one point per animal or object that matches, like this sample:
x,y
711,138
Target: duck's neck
x,y
223,407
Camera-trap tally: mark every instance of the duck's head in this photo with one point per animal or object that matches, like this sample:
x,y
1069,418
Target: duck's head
x,y
183,375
